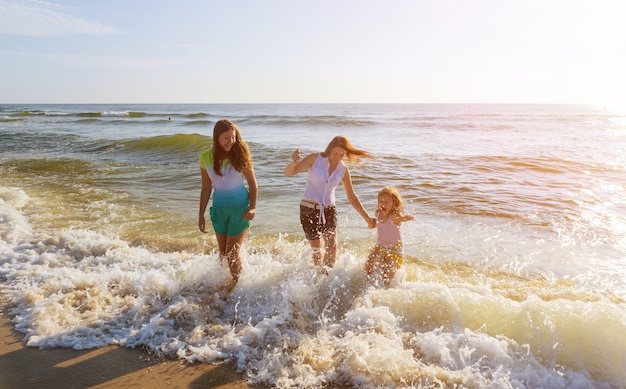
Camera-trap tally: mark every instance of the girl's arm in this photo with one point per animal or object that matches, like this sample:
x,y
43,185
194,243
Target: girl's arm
x,y
205,193
346,181
298,166
253,192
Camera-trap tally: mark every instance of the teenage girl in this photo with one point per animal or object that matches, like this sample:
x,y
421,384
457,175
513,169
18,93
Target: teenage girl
x,y
224,168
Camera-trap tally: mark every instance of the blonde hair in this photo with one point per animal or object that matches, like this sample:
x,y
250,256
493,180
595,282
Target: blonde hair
x,y
396,199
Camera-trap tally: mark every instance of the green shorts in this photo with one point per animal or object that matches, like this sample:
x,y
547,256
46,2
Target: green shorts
x,y
229,221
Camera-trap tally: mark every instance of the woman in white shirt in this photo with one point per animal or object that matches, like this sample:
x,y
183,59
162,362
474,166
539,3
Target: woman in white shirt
x,y
318,213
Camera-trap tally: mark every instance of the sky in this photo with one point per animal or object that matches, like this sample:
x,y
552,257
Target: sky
x,y
321,51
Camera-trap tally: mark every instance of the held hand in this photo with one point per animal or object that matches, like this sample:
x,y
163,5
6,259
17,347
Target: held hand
x,y
202,224
371,222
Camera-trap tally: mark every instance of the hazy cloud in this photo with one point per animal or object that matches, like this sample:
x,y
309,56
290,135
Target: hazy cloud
x,y
98,61
44,20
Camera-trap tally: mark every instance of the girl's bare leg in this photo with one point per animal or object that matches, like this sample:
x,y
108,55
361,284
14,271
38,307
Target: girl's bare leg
x,y
233,256
317,252
330,248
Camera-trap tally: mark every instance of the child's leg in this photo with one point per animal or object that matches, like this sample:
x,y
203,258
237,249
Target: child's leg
x,y
389,270
373,262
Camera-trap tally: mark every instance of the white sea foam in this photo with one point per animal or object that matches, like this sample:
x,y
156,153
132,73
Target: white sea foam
x,y
13,224
514,269
286,324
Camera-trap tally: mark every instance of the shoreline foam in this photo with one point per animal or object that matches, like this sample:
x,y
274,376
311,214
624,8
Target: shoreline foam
x,y
105,367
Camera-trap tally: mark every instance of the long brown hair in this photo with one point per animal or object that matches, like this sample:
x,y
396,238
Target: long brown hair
x,y
239,155
352,154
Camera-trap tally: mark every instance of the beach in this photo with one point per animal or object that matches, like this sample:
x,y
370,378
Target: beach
x,y
513,273
106,367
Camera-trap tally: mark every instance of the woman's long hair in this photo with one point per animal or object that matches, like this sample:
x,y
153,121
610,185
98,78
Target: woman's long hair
x,y
352,154
239,155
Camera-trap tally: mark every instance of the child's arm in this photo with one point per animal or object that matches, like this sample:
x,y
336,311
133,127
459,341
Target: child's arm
x,y
407,217
401,218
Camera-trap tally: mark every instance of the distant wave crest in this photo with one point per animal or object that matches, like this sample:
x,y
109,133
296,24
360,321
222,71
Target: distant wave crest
x,y
317,120
171,143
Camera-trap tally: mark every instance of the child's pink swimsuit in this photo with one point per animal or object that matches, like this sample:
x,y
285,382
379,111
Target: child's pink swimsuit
x,y
390,241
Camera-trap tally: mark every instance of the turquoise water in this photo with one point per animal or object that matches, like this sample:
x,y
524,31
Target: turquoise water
x,y
514,275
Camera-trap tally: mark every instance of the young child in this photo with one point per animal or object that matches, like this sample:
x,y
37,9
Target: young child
x,y
387,255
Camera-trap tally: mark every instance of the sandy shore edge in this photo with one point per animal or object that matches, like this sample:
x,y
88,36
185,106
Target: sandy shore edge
x,y
106,367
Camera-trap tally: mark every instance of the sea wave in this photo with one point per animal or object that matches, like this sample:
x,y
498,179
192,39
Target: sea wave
x,y
54,166
10,118
517,247
204,118
198,123
197,115
306,120
20,140
25,113
285,324
176,143
90,114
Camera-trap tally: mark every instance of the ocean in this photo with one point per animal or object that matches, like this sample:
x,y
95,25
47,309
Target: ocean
x,y
514,267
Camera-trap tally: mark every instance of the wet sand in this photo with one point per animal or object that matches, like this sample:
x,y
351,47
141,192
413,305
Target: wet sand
x,y
106,367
